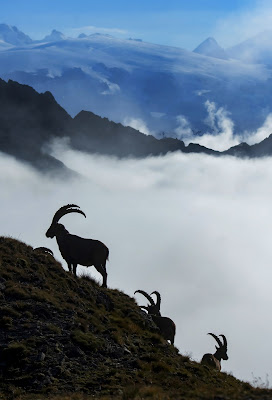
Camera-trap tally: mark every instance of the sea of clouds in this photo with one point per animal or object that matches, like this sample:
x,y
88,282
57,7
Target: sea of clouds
x,y
195,228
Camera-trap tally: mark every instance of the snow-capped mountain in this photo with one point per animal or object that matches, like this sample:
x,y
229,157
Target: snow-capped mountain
x,y
211,48
12,35
54,36
148,86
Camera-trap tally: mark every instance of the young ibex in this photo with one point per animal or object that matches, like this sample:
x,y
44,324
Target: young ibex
x,y
76,250
214,360
166,326
44,250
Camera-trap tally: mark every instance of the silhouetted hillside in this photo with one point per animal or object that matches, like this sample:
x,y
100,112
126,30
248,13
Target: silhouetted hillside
x,y
62,335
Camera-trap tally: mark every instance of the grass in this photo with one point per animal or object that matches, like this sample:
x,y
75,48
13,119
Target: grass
x,y
87,340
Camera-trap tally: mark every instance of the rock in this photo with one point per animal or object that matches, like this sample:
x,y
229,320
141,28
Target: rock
x,y
41,356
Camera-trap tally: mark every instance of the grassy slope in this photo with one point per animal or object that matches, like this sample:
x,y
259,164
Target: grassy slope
x,y
66,338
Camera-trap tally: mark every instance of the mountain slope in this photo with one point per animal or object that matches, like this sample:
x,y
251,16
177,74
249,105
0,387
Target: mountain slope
x,y
27,121
262,149
65,335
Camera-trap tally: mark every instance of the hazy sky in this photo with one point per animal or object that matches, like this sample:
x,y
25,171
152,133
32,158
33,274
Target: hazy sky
x,y
175,22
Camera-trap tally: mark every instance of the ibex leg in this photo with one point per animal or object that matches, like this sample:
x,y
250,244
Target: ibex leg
x,y
74,269
102,269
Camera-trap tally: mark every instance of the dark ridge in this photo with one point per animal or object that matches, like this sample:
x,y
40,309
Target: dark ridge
x,y
29,121
63,337
99,135
262,149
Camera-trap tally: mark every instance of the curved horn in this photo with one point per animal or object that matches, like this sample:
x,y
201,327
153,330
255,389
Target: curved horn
x,y
158,304
216,338
69,208
224,340
146,295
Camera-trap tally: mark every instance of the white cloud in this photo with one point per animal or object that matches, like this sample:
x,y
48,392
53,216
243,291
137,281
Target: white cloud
x,y
113,88
183,129
201,92
88,30
194,227
221,136
137,123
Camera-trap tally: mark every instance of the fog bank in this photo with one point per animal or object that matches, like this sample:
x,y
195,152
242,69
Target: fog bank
x,y
193,227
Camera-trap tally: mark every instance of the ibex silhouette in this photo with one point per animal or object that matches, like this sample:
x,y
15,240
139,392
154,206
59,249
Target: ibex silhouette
x,y
214,360
76,250
166,326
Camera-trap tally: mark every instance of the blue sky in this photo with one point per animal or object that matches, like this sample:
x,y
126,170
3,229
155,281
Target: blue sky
x,y
180,23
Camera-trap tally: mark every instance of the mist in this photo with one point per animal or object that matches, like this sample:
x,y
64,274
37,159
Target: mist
x,y
195,228
220,133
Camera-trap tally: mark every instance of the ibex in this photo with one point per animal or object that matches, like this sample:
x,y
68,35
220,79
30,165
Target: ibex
x,y
76,250
166,326
214,360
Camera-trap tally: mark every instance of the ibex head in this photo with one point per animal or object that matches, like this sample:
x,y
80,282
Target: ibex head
x,y
221,351
55,227
153,308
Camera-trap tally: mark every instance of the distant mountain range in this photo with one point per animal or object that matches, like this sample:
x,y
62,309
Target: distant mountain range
x,y
29,121
143,84
13,36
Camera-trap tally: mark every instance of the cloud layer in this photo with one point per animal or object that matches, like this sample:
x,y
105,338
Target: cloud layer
x,y
195,228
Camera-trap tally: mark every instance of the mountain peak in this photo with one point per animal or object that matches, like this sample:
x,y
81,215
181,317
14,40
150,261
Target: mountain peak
x,y
211,48
54,36
12,35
